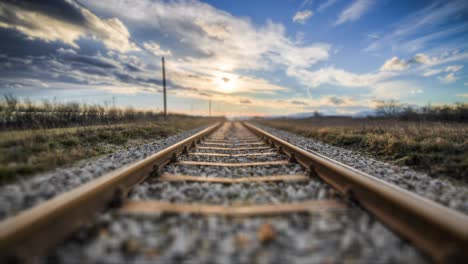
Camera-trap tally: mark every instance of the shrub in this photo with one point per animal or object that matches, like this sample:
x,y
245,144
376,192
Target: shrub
x,y
16,114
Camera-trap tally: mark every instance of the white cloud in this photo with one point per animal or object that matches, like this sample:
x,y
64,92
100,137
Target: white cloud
x,y
354,11
302,16
216,30
47,27
214,42
463,95
66,51
325,5
394,64
305,3
454,68
423,59
382,82
419,43
437,21
449,69
373,36
449,78
395,90
416,91
331,100
466,84
211,46
432,72
339,77
156,49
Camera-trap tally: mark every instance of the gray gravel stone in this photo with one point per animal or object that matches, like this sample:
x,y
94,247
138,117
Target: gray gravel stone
x,y
299,238
235,172
350,235
446,192
32,191
235,159
247,193
234,152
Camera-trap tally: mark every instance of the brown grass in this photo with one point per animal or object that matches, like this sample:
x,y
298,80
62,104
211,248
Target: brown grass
x,y
27,152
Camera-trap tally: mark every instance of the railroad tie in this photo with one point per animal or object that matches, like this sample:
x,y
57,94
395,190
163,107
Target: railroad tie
x,y
232,155
232,164
271,178
234,144
233,149
149,207
232,141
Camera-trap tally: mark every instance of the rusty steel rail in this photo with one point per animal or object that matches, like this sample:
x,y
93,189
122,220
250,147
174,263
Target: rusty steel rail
x,y
440,232
33,231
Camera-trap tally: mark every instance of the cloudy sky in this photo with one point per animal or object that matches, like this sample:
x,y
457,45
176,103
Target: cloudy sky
x,y
248,57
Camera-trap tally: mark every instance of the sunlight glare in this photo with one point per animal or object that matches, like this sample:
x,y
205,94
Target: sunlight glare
x,y
225,83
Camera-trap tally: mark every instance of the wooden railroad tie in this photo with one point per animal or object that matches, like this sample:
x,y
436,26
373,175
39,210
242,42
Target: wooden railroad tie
x,y
272,178
231,140
234,149
234,144
148,207
232,155
232,164
237,139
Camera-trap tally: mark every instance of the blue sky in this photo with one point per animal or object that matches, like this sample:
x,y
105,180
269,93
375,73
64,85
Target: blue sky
x,y
248,57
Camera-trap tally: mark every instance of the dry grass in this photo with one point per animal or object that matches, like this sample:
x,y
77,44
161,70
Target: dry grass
x,y
436,148
26,152
16,114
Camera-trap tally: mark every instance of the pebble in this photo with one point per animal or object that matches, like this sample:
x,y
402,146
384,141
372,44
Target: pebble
x,y
266,233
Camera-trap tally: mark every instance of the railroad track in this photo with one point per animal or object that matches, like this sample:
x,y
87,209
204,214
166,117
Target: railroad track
x,y
210,174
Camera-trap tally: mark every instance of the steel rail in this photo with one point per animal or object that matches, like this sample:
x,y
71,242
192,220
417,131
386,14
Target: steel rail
x,y
440,232
33,231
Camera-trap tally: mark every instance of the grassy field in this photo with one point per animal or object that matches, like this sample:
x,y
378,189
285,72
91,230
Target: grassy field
x,y
26,152
440,149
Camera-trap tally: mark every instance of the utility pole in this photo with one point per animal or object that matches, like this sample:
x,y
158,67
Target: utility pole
x,y
164,86
210,106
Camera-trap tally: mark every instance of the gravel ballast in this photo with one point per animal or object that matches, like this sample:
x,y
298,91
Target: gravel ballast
x,y
228,194
436,189
32,191
349,235
330,237
235,172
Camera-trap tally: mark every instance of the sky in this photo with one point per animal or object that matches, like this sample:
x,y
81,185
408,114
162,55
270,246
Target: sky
x,y
246,57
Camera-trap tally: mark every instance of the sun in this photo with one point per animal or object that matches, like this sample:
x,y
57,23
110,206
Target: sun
x,y
225,83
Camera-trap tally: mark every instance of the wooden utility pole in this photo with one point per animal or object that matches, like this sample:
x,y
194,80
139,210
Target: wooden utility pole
x,y
164,86
210,106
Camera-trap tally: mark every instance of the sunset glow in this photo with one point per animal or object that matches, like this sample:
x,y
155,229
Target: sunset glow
x,y
336,57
